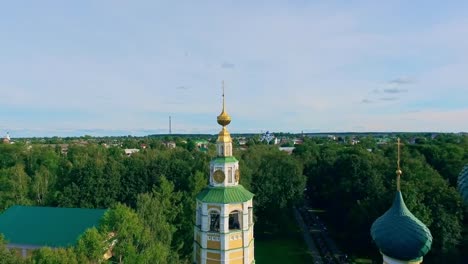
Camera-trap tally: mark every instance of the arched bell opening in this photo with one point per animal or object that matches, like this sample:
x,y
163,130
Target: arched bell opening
x,y
214,221
235,220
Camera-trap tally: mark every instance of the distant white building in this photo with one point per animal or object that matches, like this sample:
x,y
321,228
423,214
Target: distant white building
x,y
170,144
276,141
297,141
129,152
288,150
7,139
242,141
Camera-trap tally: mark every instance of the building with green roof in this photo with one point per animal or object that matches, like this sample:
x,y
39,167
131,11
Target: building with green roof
x,y
223,232
463,184
400,236
31,227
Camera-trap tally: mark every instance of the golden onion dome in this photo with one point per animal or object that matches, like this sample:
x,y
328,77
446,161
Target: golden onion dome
x,y
224,119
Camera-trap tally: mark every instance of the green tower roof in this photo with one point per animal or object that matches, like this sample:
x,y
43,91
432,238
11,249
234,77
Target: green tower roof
x,y
225,195
222,160
463,184
399,234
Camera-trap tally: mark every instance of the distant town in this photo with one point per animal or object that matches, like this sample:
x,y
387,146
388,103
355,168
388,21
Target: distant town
x,y
202,142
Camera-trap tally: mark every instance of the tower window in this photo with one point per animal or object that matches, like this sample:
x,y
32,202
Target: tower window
x,y
234,220
214,221
230,175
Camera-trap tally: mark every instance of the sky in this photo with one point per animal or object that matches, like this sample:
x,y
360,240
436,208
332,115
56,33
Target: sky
x,y
70,68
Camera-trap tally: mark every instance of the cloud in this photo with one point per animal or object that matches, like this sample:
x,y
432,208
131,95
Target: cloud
x,y
173,102
275,47
393,87
182,87
228,65
401,81
389,98
395,90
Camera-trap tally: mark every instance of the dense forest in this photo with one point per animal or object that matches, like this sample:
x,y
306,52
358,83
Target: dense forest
x,y
151,194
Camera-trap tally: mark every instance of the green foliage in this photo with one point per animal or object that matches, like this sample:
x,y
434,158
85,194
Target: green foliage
x,y
10,155
15,186
48,255
152,193
6,256
447,158
91,180
277,182
357,186
130,232
91,245
42,180
159,210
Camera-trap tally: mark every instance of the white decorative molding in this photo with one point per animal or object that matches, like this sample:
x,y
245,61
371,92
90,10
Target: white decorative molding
x,y
389,260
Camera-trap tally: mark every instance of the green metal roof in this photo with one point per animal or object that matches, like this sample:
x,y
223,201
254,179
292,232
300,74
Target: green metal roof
x,y
47,226
225,195
399,234
463,184
224,159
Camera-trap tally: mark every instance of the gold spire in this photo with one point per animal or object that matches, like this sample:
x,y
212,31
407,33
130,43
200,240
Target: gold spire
x,y
398,171
224,119
222,84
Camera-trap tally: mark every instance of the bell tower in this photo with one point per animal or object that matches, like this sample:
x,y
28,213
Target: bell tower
x,y
223,231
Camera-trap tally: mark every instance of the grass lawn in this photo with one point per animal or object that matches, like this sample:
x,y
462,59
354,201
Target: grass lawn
x,y
289,248
281,250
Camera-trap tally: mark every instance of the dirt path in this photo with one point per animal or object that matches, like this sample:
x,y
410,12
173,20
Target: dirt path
x,y
308,238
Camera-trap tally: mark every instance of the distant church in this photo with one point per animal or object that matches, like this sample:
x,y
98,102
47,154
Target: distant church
x,y
223,232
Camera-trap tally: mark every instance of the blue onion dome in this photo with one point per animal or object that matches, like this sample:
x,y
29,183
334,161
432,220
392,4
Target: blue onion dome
x,y
399,234
463,184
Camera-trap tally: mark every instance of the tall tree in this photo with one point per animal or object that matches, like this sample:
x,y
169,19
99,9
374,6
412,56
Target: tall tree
x,y
20,181
159,210
278,184
41,184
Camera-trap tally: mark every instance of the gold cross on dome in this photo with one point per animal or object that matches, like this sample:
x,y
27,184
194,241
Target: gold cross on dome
x,y
398,172
223,94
